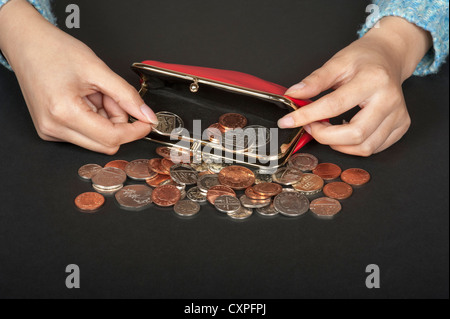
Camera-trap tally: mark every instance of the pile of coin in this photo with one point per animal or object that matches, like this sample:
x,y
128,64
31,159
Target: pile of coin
x,y
292,190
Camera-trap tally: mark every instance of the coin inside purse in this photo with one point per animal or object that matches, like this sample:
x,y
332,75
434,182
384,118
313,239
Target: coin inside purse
x,y
204,100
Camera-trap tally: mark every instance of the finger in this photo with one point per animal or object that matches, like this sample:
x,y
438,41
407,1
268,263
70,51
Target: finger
x,y
73,137
96,99
395,136
115,112
333,104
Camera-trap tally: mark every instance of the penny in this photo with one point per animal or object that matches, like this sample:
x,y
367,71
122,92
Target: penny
x,y
355,176
168,123
87,171
155,165
230,121
268,210
186,208
157,180
205,182
134,197
89,201
117,164
250,193
175,155
241,213
291,204
138,170
163,151
262,177
166,165
236,177
268,189
287,175
184,174
109,177
166,195
309,184
303,161
338,190
227,204
327,171
218,190
214,133
205,173
196,195
254,203
325,207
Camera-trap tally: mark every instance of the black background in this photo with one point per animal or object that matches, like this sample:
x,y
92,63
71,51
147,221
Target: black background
x,y
398,221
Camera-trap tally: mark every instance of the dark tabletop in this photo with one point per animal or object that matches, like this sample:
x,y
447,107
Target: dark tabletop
x,y
399,221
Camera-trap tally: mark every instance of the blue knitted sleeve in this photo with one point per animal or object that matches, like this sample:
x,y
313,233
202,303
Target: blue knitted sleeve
x,y
430,15
43,6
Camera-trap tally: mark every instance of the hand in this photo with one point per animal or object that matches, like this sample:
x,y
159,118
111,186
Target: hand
x,y
368,73
71,94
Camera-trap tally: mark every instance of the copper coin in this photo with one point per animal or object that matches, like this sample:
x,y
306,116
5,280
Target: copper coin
x,y
134,197
231,121
309,184
167,164
175,155
268,189
166,195
109,177
89,202
138,170
218,190
155,165
325,207
157,180
355,176
214,133
338,190
250,193
87,171
163,151
121,164
327,171
237,177
303,161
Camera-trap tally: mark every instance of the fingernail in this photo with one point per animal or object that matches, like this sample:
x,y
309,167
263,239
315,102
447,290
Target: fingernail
x,y
149,114
286,122
295,88
307,128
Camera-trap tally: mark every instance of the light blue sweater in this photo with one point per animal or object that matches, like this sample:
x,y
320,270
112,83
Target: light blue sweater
x,y
431,15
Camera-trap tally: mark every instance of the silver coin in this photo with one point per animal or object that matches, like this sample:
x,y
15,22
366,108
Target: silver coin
x,y
108,190
186,208
109,177
134,197
227,204
254,203
303,161
262,134
217,167
88,171
183,194
172,182
287,175
196,195
288,189
238,140
200,167
168,123
291,203
138,170
184,174
268,210
207,181
241,213
260,177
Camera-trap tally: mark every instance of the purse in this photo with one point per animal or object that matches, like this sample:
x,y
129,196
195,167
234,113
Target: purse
x,y
200,93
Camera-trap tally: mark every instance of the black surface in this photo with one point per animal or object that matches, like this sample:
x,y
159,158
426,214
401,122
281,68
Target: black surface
x,y
398,221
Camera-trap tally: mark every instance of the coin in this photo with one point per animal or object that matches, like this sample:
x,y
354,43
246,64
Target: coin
x,y
87,171
166,195
241,213
355,176
236,177
262,134
155,165
138,170
214,133
268,210
230,121
200,167
89,201
218,190
157,180
287,175
291,204
254,203
327,171
250,193
109,177
168,123
166,165
261,177
163,151
184,174
268,189
338,190
227,204
107,190
205,182
325,207
134,197
309,184
196,195
303,161
175,155
117,164
186,208
238,140
217,167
